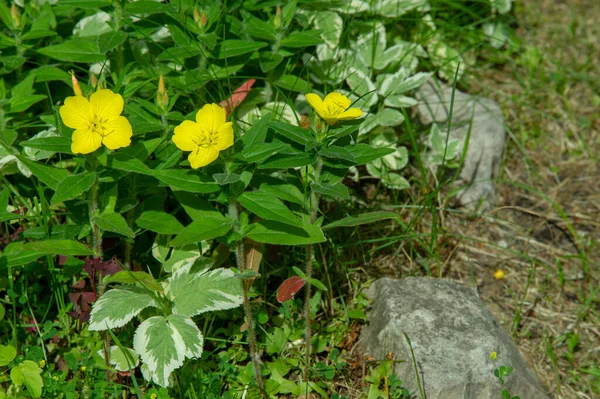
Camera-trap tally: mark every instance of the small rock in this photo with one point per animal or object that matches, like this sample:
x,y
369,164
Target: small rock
x,y
452,335
487,137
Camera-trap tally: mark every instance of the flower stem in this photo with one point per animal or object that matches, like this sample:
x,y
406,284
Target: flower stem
x,y
314,201
240,258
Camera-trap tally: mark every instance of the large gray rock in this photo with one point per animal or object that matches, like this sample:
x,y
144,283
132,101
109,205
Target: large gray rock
x,y
483,118
452,335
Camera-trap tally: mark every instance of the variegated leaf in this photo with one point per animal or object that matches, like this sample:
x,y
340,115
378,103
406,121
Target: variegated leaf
x,y
163,343
331,25
122,360
362,86
206,290
118,306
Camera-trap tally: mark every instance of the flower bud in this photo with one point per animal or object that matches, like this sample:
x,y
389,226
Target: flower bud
x,y
76,87
96,83
15,16
277,21
162,98
197,16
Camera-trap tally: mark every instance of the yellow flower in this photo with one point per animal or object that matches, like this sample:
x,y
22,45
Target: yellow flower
x,y
55,378
206,137
83,368
499,274
153,396
96,121
42,363
333,108
493,356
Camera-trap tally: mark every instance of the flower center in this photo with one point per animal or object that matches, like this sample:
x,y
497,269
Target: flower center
x,y
205,139
335,108
99,126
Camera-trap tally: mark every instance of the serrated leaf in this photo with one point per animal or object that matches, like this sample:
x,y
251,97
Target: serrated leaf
x,y
268,207
164,343
159,222
203,291
207,228
118,306
58,247
72,187
130,277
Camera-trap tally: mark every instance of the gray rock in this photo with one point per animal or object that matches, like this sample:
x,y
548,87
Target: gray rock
x,y
452,335
486,140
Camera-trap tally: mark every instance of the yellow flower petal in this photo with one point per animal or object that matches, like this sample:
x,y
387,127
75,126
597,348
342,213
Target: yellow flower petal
x,y
85,141
352,113
336,102
76,113
120,133
211,116
106,104
202,156
224,138
185,134
315,101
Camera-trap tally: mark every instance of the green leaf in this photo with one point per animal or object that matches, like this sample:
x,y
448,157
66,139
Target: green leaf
x,y
49,73
72,187
118,306
224,179
205,229
76,50
203,291
261,153
196,207
38,34
121,360
28,374
364,218
146,7
110,40
58,247
338,152
292,83
7,354
257,134
127,163
294,133
364,153
269,61
268,207
331,26
15,255
281,189
52,143
186,180
272,232
129,277
302,39
337,190
179,53
234,48
281,161
113,222
22,103
163,343
159,222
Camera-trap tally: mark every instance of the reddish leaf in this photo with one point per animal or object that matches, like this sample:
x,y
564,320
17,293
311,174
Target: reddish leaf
x,y
237,96
289,287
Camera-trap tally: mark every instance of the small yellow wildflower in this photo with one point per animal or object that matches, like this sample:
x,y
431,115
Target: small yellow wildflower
x,y
153,396
206,137
499,274
334,108
42,363
96,121
83,368
55,378
493,356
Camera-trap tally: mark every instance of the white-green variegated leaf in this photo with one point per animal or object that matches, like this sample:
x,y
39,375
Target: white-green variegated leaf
x,y
195,292
362,86
122,360
447,59
163,343
387,83
94,25
35,153
395,182
368,124
442,151
412,82
352,7
281,111
331,25
182,256
396,8
399,101
118,306
389,117
371,47
503,6
497,33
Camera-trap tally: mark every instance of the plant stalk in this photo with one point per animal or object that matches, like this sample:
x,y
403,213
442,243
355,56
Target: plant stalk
x,y
240,258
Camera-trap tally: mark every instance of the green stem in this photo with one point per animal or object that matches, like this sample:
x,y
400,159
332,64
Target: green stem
x,y
314,201
241,264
